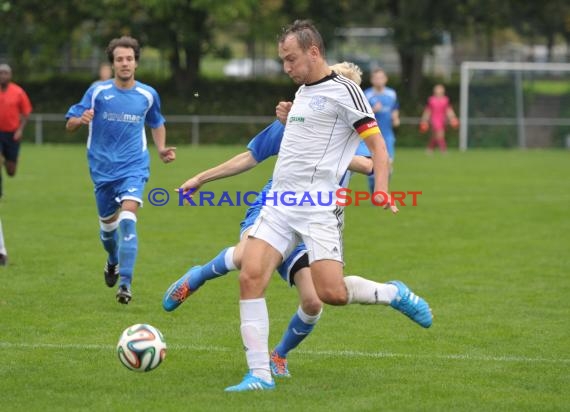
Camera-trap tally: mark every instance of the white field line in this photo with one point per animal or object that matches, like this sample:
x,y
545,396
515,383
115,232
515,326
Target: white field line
x,y
317,353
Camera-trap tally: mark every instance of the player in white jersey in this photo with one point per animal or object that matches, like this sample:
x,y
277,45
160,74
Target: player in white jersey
x,y
295,268
322,132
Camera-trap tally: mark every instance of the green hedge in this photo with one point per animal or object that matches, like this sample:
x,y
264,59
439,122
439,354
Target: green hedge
x,y
209,97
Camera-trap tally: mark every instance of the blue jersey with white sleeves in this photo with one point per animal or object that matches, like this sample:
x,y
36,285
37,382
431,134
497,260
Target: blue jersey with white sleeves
x,y
117,144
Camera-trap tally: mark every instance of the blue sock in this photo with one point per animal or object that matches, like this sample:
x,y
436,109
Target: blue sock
x,y
128,246
218,266
296,332
109,240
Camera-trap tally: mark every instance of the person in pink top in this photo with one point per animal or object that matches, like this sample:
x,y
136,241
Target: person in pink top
x,y
435,116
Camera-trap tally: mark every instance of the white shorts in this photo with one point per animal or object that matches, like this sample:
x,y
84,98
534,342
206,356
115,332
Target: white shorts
x,y
321,231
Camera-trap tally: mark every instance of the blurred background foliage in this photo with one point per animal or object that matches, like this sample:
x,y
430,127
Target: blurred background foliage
x,y
55,47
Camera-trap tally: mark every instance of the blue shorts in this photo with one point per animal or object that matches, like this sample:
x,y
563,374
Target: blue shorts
x,y
110,195
289,262
298,259
250,215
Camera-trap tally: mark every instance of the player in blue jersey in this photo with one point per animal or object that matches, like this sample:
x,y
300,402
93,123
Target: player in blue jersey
x,y
384,103
116,112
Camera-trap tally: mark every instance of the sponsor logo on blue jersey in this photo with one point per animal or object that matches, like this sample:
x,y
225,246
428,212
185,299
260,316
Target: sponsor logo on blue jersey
x,y
122,117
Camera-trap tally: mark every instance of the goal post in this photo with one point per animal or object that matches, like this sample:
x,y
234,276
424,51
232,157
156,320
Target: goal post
x,y
519,104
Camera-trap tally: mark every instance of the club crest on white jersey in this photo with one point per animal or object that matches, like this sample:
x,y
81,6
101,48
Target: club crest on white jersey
x,y
318,103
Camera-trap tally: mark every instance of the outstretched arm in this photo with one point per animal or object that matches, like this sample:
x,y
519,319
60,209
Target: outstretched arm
x,y
236,165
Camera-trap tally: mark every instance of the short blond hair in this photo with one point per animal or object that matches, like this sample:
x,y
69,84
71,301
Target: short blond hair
x,y
349,70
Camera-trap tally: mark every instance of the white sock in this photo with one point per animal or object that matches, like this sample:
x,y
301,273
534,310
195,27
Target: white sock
x,y
255,336
229,258
2,245
126,214
309,319
367,292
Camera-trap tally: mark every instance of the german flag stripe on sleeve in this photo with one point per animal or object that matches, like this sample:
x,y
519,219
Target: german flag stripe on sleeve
x,y
366,127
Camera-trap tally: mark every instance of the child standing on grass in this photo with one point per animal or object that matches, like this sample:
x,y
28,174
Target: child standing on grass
x,y
437,112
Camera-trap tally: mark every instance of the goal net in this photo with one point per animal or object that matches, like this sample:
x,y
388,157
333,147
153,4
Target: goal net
x,y
507,104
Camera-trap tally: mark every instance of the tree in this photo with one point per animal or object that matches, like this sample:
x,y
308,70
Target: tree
x,y
28,35
183,29
417,28
485,16
545,18
259,28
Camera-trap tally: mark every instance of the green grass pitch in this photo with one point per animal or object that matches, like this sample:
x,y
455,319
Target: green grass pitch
x,y
488,245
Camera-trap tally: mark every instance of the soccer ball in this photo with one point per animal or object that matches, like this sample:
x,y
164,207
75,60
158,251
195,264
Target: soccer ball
x,y
141,348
